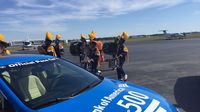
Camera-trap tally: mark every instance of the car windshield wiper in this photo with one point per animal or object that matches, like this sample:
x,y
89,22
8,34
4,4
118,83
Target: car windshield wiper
x,y
86,88
52,101
60,99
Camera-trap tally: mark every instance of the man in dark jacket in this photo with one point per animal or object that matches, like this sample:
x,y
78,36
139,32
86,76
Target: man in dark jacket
x,y
94,53
122,52
82,46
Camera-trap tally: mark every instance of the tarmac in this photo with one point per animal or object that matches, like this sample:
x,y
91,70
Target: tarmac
x,y
169,67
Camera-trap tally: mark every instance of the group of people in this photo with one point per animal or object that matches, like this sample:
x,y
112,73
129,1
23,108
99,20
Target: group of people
x,y
93,52
3,46
48,48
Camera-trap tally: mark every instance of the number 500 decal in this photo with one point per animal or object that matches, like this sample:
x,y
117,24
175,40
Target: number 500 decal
x,y
134,99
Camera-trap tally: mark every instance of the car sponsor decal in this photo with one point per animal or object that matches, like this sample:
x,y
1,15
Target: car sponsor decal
x,y
131,100
137,100
123,86
105,101
31,62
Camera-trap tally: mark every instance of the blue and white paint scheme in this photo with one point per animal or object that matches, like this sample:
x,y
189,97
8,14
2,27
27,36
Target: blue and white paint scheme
x,y
107,96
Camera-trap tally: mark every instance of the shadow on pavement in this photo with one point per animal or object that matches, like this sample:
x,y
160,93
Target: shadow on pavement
x,y
187,93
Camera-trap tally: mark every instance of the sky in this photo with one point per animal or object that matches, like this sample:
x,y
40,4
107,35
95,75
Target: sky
x,y
22,19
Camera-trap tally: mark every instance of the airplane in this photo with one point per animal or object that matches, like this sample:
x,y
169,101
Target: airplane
x,y
29,45
172,36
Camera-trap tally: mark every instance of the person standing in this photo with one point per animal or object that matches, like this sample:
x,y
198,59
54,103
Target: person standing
x,y
3,46
47,46
82,46
116,41
94,53
122,52
100,47
58,46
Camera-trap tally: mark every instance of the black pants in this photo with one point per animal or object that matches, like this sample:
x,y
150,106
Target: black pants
x,y
94,66
58,55
57,52
120,70
81,59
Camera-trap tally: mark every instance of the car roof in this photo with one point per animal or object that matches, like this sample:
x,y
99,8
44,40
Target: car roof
x,y
19,58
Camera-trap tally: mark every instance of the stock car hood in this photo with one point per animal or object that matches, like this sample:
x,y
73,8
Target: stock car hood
x,y
114,96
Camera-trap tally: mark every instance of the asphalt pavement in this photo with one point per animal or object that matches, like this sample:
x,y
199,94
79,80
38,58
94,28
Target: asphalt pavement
x,y
169,67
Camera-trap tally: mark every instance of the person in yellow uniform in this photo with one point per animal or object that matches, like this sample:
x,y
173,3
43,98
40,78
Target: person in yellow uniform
x,y
3,45
122,52
94,53
82,48
100,47
48,47
58,46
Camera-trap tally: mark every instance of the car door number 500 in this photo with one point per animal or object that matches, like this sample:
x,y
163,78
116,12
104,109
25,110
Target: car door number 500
x,y
134,99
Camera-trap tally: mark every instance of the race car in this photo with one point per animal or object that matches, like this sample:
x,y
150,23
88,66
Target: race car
x,y
40,83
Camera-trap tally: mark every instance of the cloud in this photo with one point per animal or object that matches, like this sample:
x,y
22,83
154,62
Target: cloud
x,y
34,14
34,3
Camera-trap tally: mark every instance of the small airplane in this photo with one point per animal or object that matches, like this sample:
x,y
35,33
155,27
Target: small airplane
x,y
28,44
172,36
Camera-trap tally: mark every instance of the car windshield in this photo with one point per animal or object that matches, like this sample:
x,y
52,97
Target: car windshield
x,y
44,82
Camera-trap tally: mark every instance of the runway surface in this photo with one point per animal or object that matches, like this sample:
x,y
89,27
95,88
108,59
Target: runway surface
x,y
170,67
